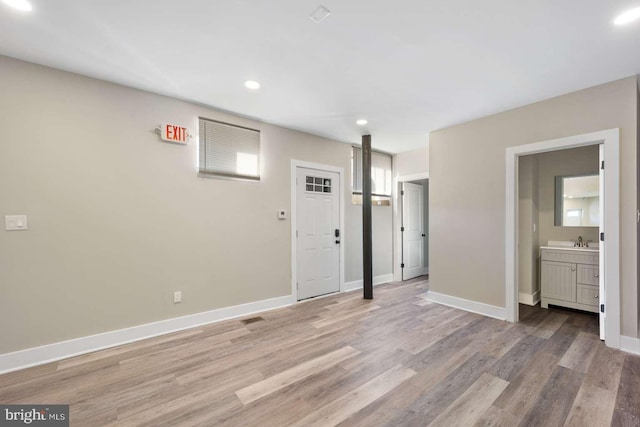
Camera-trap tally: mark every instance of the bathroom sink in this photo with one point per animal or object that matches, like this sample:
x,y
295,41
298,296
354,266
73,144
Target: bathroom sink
x,y
572,248
568,244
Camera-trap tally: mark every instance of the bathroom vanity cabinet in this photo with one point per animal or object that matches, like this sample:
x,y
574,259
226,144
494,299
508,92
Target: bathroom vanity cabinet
x,y
570,278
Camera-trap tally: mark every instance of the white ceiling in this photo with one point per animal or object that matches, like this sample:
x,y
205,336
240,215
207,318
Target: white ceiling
x,y
409,67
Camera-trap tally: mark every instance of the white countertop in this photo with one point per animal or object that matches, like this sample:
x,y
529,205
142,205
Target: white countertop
x,y
570,248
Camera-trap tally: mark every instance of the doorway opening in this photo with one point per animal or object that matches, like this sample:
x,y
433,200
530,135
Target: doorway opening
x,y
559,223
413,215
593,272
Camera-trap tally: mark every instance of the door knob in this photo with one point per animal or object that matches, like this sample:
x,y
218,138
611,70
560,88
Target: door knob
x,y
573,269
596,275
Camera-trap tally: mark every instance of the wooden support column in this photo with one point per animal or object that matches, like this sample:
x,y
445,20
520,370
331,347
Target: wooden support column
x,y
367,242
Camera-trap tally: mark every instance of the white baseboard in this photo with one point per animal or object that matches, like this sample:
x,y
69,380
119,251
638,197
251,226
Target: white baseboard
x,y
378,280
468,305
529,299
630,345
75,347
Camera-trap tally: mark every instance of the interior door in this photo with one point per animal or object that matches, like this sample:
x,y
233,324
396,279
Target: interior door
x,y
601,291
413,231
319,235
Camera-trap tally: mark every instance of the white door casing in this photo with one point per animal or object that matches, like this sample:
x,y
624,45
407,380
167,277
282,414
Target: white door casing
x,y
602,295
610,200
413,234
317,219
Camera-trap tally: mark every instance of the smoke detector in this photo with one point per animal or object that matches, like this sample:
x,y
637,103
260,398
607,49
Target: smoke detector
x,y
319,14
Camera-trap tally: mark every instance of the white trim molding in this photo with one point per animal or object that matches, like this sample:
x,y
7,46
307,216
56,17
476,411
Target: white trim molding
x,y
295,164
529,299
61,350
378,280
467,305
610,251
630,345
413,177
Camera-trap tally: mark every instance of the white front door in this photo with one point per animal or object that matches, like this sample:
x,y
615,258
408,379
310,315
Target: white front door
x,y
318,234
414,233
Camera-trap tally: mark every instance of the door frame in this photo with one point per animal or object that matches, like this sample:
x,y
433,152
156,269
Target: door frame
x,y
403,234
295,164
611,222
397,220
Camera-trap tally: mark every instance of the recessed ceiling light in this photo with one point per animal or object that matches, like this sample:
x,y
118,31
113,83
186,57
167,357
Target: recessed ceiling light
x,y
361,122
250,84
22,5
628,17
319,14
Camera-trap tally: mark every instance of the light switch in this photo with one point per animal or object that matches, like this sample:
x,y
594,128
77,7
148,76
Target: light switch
x,y
282,214
15,222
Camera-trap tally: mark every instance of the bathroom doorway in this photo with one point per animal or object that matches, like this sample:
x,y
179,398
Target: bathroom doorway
x,y
607,268
559,211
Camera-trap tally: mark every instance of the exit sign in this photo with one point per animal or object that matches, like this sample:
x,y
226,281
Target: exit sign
x,y
174,133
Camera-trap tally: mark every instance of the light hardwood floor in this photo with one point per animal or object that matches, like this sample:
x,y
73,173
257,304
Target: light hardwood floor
x,y
397,360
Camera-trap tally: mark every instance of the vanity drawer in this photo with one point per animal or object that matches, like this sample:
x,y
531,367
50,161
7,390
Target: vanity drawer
x,y
588,274
573,256
587,295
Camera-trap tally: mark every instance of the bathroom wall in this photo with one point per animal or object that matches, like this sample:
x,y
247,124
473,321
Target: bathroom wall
x,y
528,230
577,161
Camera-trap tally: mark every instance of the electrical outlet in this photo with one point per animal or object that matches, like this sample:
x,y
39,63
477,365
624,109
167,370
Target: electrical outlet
x,y
177,297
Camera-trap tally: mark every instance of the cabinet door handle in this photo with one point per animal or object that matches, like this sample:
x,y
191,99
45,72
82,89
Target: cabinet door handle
x,y
596,275
596,296
573,269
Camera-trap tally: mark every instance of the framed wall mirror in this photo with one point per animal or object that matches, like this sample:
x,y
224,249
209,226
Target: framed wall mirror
x,y
577,201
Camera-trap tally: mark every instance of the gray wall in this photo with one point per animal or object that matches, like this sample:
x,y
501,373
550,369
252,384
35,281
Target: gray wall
x,y
119,220
467,189
411,162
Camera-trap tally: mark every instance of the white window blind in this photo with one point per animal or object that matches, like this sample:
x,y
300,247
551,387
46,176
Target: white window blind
x,y
380,172
229,150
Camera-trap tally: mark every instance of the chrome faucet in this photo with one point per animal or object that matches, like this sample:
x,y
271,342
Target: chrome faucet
x,y
578,242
